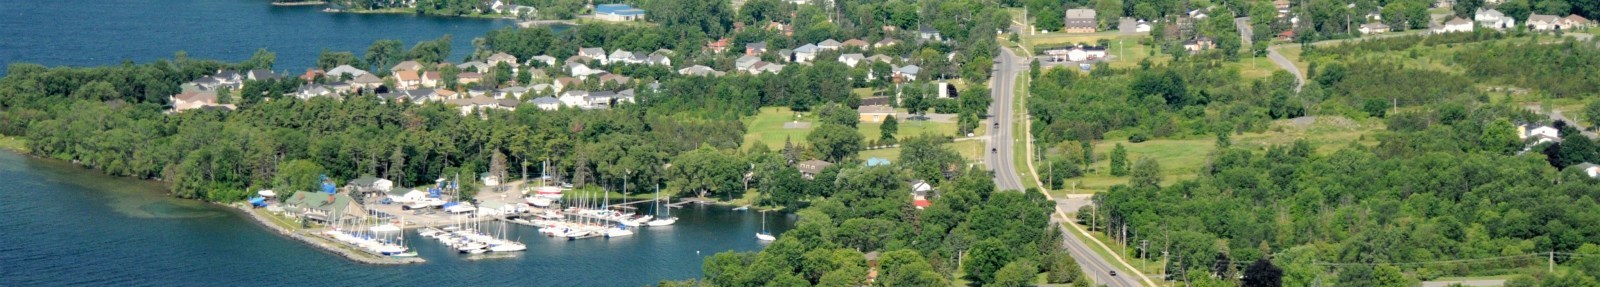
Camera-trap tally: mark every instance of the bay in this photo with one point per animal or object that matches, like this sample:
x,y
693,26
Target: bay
x,y
64,225
108,32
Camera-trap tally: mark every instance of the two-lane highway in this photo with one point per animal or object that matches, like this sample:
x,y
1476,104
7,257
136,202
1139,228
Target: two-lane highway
x,y
1002,160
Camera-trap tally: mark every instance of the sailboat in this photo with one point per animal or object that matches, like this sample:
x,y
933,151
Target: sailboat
x,y
663,220
764,235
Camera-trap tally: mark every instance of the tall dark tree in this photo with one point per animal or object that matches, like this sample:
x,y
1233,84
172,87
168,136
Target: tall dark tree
x,y
1262,274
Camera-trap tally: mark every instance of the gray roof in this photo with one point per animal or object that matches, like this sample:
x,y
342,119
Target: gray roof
x,y
1489,13
1542,18
808,48
346,69
592,51
1080,13
909,69
545,101
828,43
757,45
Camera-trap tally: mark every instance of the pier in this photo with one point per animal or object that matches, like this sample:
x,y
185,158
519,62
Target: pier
x,y
309,237
533,23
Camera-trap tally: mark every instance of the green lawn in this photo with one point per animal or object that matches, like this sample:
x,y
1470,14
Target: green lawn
x,y
13,143
767,127
1182,158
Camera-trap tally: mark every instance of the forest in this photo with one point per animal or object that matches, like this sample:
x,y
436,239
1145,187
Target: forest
x,y
1446,188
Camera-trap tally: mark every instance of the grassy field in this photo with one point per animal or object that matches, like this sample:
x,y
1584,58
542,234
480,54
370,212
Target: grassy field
x,y
767,128
13,144
1182,159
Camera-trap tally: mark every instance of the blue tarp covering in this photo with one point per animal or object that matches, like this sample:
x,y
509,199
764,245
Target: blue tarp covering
x,y
258,201
434,192
329,188
449,204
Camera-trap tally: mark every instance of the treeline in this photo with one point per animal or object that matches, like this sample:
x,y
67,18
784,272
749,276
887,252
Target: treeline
x,y
1563,69
1194,97
993,238
1445,187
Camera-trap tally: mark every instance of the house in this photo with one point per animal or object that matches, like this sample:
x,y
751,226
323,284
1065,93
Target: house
x,y
882,59
1374,28
346,69
1286,35
583,71
764,67
829,45
1081,53
927,33
621,56
574,98
700,71
474,66
407,66
717,47
518,10
1282,5
1539,22
1198,44
852,59
855,43
596,54
407,79
886,42
1575,22
1492,19
755,48
195,100
406,195
366,81
311,91
805,53
545,60
432,79
811,168
1456,24
609,78
1590,169
261,75
312,74
617,13
466,78
368,184
1539,132
510,92
473,104
324,207
875,113
546,103
659,59
1141,27
1080,21
744,64
919,193
907,73
502,58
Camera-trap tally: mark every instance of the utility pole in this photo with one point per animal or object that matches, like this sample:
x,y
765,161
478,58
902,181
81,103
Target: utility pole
x,y
1142,245
1552,261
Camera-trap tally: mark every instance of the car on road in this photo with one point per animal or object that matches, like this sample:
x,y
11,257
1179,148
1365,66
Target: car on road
x,y
994,150
1113,273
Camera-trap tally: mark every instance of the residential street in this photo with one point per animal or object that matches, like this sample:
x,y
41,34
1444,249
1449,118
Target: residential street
x,y
1001,159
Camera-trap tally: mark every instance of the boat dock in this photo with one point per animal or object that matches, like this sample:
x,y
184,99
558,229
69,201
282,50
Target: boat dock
x,y
310,237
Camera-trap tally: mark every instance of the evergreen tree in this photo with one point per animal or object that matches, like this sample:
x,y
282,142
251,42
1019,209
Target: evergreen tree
x,y
1119,160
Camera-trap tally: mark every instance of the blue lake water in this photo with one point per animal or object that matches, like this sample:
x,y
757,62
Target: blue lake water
x,y
64,225
107,32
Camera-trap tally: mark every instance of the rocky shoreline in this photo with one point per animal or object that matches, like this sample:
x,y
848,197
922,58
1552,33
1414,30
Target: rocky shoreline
x,y
324,244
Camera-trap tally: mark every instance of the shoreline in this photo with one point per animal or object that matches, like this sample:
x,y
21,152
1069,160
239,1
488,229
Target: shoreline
x,y
323,244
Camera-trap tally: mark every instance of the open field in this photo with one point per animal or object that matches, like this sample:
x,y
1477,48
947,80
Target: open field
x,y
1182,159
13,144
768,128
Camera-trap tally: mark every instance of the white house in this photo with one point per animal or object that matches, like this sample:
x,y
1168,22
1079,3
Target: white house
x,y
805,53
583,71
1457,24
1493,19
406,195
1539,22
852,59
829,44
547,103
502,58
341,70
617,13
1374,28
597,54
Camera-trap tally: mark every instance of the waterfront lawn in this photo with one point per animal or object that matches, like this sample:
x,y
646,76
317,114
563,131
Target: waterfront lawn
x,y
15,144
768,128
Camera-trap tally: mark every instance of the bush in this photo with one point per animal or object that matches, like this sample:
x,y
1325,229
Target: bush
x,y
1138,137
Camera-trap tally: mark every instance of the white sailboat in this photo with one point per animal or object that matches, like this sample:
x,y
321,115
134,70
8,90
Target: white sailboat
x,y
764,235
663,220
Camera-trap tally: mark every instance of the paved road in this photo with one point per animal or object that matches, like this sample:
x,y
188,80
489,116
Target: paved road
x,y
1001,159
1556,115
1485,283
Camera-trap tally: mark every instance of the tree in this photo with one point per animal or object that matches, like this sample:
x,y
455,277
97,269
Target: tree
x,y
839,115
915,102
224,96
262,59
298,175
1262,274
985,259
384,54
1591,113
1500,137
1119,160
1577,148
887,130
835,142
328,60
1146,173
1015,274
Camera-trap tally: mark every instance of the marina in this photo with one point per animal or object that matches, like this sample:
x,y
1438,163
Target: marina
x,y
125,230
